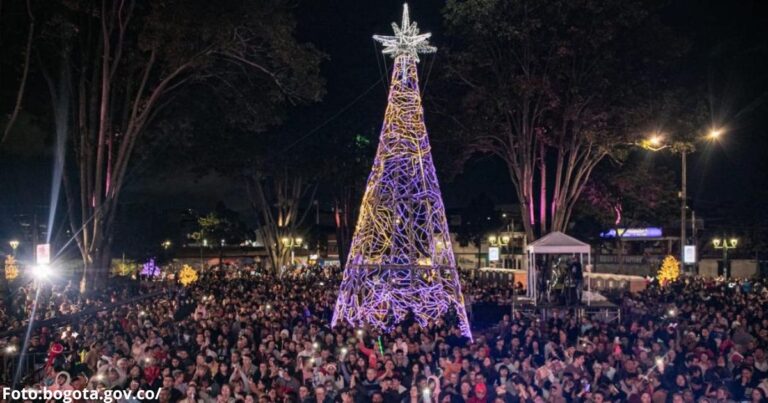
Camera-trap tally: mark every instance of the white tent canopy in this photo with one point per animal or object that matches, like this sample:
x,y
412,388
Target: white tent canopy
x,y
554,243
557,242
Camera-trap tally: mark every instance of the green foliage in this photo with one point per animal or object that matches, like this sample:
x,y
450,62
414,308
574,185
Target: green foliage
x,y
592,66
552,87
631,195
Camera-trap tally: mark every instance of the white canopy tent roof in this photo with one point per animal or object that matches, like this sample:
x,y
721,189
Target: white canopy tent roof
x,y
554,243
557,242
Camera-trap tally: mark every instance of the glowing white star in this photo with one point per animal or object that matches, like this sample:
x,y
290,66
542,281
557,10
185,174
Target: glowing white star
x,y
407,40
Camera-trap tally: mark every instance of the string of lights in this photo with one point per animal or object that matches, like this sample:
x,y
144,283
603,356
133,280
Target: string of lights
x,y
401,260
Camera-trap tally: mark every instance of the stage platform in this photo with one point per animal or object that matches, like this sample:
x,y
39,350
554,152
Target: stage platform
x,y
594,281
487,315
602,310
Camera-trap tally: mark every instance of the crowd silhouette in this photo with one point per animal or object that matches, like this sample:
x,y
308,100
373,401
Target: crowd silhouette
x,y
250,336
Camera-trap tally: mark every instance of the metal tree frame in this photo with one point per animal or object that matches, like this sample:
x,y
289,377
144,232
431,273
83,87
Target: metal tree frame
x,y
401,260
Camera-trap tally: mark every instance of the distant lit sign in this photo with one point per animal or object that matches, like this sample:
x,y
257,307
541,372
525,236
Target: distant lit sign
x,y
43,254
650,232
689,254
493,254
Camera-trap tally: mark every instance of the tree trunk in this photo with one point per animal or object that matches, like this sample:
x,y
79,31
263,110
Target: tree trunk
x,y
343,228
278,201
525,195
5,289
543,189
221,255
24,74
479,254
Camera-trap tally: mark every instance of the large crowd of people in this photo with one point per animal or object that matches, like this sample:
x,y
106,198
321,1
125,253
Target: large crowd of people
x,y
245,336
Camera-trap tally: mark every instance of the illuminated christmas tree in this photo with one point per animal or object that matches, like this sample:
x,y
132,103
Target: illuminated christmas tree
x,y
401,261
669,270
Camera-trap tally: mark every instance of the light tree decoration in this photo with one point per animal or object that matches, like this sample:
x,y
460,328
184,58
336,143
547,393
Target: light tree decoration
x,y
187,275
11,268
150,269
125,268
401,260
669,270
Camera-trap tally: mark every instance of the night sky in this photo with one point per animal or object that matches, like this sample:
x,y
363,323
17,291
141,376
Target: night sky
x,y
729,53
731,172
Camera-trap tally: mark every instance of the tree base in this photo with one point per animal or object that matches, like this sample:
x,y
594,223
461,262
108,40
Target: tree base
x,y
383,296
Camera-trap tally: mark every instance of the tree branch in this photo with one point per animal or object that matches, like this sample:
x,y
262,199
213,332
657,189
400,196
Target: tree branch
x,y
24,74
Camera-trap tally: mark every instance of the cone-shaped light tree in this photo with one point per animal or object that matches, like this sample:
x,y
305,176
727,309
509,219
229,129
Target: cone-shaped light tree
x,y
400,261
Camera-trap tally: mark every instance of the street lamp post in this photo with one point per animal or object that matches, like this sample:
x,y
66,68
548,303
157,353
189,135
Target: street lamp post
x,y
291,242
202,245
14,244
656,143
684,149
725,244
500,241
167,245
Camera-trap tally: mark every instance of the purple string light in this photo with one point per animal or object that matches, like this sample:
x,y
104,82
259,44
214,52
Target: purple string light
x,y
150,269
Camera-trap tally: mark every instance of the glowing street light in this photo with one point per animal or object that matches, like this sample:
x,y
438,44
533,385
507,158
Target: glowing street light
x,y
655,142
166,244
502,240
290,243
715,134
14,244
725,245
499,241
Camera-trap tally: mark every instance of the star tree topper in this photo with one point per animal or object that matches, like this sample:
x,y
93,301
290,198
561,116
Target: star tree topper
x,y
407,40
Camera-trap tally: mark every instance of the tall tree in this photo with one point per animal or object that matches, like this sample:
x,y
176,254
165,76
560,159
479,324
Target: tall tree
x,y
633,195
345,175
552,88
127,59
282,196
26,61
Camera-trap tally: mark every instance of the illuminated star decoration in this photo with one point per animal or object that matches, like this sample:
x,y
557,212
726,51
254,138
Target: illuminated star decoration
x,y
407,41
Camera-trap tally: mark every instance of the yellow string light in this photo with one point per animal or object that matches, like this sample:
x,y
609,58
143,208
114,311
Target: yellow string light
x,y
669,270
187,275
